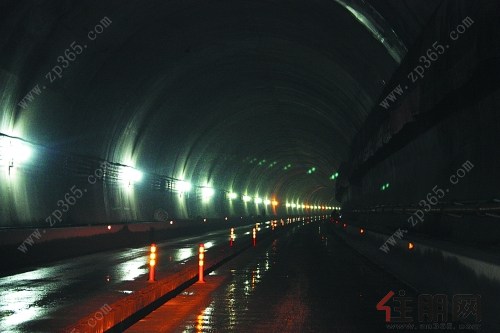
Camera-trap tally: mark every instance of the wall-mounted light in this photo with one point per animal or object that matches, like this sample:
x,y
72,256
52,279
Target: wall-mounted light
x,y
207,193
13,153
129,175
183,186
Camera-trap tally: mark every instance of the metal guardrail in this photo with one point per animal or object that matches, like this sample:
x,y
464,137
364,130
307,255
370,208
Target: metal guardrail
x,y
457,209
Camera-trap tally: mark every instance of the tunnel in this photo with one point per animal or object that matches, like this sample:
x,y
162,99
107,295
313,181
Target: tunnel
x,y
332,129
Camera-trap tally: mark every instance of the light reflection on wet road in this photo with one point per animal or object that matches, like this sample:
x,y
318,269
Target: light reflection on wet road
x,y
307,281
30,300
228,310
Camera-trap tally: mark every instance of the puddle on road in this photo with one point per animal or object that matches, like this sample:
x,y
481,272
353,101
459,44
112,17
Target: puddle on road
x,y
229,306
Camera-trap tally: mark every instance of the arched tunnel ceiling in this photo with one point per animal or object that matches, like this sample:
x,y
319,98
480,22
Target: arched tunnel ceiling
x,y
205,90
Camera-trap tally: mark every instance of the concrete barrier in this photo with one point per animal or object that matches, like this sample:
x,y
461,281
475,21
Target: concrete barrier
x,y
128,306
434,266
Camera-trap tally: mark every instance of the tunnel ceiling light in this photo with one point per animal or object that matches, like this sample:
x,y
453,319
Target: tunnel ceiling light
x,y
258,200
207,193
183,186
267,202
273,164
294,205
232,195
311,170
129,175
275,203
288,205
247,198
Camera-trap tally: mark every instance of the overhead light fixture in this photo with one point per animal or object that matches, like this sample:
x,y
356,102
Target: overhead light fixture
x,y
247,198
232,195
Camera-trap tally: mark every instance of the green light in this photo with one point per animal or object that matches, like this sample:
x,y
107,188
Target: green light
x,y
246,198
232,195
310,171
334,176
387,185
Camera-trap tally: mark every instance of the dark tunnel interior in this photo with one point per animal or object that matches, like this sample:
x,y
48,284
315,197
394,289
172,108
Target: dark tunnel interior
x,y
381,112
243,97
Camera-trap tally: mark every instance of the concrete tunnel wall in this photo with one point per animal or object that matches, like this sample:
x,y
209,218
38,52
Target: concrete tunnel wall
x,y
430,160
447,119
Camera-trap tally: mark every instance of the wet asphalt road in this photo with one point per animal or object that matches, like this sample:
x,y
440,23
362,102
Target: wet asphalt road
x,y
53,296
308,281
